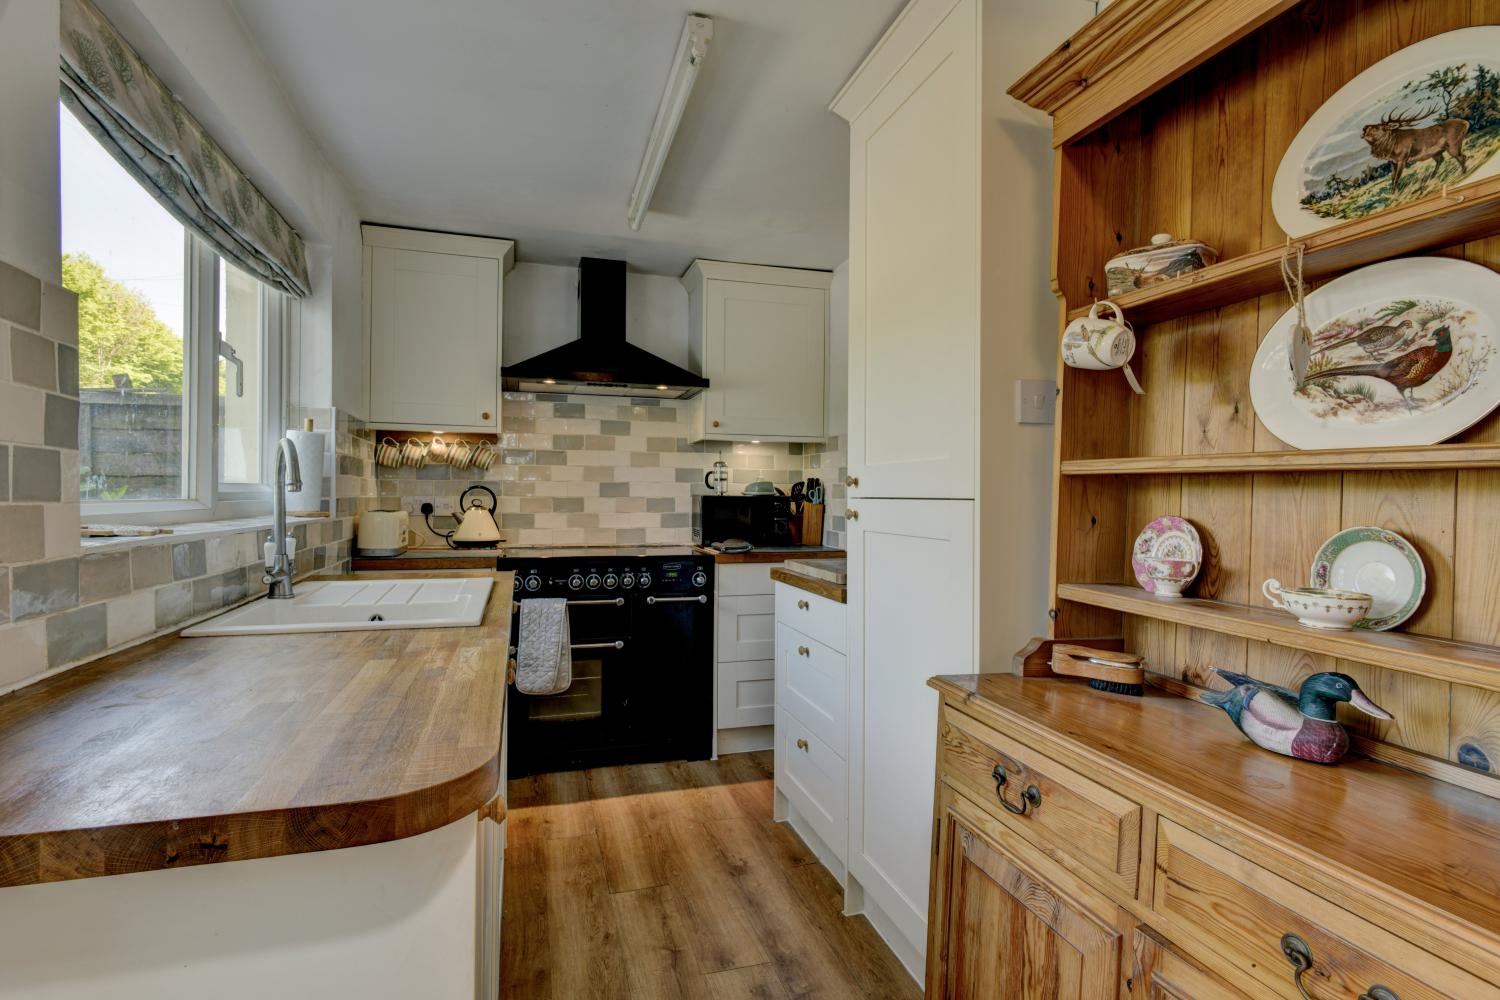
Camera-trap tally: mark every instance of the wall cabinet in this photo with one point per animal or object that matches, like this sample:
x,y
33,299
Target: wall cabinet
x,y
433,307
760,336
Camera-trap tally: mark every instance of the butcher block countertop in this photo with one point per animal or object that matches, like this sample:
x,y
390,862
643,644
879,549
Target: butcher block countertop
x,y
194,751
823,588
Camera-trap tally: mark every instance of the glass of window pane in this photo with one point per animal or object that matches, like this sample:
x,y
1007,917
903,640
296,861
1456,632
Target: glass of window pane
x,y
240,370
125,257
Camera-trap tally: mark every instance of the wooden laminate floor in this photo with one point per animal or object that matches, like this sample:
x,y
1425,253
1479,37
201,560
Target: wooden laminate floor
x,y
672,881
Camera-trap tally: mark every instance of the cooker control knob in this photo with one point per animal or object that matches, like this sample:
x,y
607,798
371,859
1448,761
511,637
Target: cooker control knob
x,y
700,579
627,581
593,581
533,583
644,580
575,581
611,581
517,583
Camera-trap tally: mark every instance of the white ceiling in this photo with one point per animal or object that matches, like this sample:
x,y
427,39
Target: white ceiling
x,y
527,119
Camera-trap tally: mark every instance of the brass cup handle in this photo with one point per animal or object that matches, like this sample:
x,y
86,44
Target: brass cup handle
x,y
1030,799
801,744
1299,955
803,651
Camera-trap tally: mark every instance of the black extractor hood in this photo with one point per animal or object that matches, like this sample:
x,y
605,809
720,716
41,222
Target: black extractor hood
x,y
600,362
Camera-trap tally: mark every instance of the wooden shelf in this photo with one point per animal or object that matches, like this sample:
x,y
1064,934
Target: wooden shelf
x,y
1468,212
1474,664
1440,456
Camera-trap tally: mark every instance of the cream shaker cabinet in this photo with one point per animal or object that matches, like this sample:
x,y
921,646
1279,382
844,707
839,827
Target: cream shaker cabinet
x,y
433,306
760,336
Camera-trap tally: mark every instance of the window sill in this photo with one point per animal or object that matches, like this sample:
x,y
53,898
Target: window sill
x,y
191,532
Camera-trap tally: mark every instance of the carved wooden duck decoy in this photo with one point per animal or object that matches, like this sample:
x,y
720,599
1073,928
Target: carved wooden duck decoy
x,y
1303,723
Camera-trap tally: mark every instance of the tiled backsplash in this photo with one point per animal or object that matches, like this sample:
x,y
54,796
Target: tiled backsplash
x,y
586,470
63,601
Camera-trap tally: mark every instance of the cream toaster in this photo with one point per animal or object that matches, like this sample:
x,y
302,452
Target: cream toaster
x,y
382,533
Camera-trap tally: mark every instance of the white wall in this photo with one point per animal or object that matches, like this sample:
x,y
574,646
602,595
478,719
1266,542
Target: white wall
x,y
200,48
29,214
541,312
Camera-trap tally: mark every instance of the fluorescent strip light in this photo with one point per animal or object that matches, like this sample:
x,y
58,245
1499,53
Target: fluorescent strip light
x,y
692,47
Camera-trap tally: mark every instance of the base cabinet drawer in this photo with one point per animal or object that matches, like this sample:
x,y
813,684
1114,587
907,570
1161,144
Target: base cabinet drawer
x,y
1160,972
1268,927
1069,816
811,615
810,684
812,777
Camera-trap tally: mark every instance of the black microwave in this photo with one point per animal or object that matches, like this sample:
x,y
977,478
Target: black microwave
x,y
763,520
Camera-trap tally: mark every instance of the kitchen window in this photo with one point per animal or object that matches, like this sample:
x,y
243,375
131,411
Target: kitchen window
x,y
180,353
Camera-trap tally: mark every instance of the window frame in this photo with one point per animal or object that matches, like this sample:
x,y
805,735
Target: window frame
x,y
207,499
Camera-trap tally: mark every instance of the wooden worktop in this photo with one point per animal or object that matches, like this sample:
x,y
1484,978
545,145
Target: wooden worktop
x,y
773,555
823,588
1375,831
192,751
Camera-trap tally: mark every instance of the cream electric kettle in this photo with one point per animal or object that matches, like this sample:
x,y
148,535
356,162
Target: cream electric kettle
x,y
476,521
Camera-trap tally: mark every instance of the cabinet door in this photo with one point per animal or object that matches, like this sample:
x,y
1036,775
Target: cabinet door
x,y
910,615
1160,973
746,627
1009,935
434,339
913,272
765,349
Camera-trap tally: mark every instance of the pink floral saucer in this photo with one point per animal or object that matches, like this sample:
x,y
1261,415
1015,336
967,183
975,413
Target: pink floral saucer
x,y
1167,537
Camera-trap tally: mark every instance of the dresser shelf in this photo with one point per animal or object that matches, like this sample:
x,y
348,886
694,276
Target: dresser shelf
x,y
1474,664
1467,212
1443,456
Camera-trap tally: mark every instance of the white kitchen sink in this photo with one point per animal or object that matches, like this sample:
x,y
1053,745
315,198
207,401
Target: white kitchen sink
x,y
347,606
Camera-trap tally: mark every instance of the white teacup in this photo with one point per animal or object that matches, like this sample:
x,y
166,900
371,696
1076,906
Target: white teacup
x,y
1096,343
1170,576
1318,607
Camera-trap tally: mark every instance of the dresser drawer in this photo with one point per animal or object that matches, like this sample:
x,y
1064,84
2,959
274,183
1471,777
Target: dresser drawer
x,y
1243,912
813,616
811,776
1071,817
810,684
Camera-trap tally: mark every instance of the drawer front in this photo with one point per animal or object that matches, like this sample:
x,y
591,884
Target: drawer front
x,y
1072,818
811,776
811,615
810,684
741,579
1242,912
746,628
747,692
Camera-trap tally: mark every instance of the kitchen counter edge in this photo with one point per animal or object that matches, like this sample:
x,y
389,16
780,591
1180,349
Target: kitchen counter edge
x,y
823,588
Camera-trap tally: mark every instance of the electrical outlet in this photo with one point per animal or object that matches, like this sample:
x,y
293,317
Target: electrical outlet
x,y
443,506
1036,401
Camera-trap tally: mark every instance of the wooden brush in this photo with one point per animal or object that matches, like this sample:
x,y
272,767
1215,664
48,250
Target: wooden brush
x,y
1106,669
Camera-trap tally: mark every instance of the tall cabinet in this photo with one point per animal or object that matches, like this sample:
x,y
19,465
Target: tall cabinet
x,y
948,305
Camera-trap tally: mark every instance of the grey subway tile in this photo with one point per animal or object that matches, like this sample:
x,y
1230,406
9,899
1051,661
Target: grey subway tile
x,y
551,397
662,415
630,536
174,603
644,401
190,559
568,410
213,592
102,575
617,428
60,314
689,476
150,565
33,360
67,370
517,520
551,458
567,442
4,474
614,489
660,505
676,520
20,297
60,422
512,456
36,475
44,588
567,505
661,444
4,595
76,634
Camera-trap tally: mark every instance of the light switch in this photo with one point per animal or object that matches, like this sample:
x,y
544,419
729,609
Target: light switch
x,y
1036,401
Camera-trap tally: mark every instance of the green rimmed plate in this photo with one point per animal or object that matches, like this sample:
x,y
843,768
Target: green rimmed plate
x,y
1377,562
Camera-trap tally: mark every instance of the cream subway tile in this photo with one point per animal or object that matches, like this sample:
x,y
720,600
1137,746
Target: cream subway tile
x,y
656,475
22,413
685,460
554,489
567,473
599,474
583,520
70,484
594,458
60,529
60,314
4,351
536,505
25,645
630,505
584,488
551,521
668,536
224,552
556,425
532,536
631,536
643,460
568,536
130,617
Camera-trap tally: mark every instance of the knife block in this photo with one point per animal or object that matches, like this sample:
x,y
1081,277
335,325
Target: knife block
x,y
807,528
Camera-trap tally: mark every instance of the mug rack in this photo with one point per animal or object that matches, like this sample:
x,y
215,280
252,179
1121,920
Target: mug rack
x,y
394,449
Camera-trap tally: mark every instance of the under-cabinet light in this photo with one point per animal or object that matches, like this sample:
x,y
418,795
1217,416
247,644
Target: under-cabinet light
x,y
692,47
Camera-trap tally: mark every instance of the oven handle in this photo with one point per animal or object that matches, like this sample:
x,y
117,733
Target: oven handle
x,y
618,602
701,599
617,644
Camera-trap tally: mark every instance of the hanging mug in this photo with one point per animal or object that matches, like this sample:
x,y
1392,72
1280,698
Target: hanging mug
x,y
414,453
484,455
1096,343
460,455
437,450
388,453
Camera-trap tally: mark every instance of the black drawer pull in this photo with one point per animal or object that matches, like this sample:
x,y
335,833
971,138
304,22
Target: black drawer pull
x,y
1300,956
1030,799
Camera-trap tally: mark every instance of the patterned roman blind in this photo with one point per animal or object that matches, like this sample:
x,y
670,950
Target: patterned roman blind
x,y
137,118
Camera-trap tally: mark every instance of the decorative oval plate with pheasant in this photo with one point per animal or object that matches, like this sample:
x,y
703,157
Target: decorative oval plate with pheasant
x,y
1420,118
1403,353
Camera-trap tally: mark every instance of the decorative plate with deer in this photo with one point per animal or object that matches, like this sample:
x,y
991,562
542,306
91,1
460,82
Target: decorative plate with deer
x,y
1423,117
1403,353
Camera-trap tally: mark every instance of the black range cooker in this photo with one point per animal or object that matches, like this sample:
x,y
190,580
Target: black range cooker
x,y
642,634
